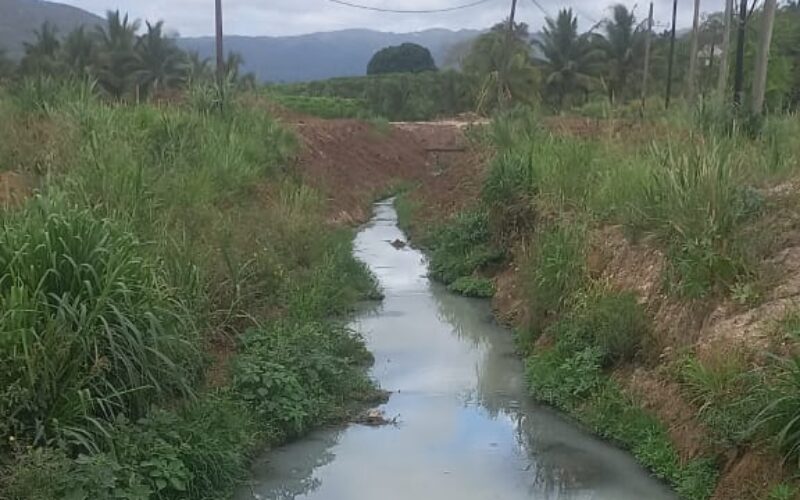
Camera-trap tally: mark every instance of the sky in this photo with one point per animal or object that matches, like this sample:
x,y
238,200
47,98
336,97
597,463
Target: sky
x,y
294,17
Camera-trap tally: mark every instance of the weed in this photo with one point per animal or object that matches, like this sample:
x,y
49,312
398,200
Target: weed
x,y
554,271
462,246
727,392
473,286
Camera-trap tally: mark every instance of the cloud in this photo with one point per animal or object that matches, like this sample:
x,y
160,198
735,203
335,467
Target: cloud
x,y
292,17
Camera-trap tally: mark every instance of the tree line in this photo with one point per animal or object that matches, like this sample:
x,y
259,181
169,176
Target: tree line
x,y
121,58
566,67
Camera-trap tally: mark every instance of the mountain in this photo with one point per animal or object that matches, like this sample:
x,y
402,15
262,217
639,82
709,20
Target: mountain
x,y
19,19
318,56
277,59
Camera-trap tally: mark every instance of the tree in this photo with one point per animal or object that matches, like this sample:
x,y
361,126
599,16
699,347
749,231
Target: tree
x,y
161,63
116,61
503,72
78,52
404,58
41,55
762,59
7,66
620,44
570,61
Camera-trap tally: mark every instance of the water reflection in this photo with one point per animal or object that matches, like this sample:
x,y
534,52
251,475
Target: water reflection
x,y
467,429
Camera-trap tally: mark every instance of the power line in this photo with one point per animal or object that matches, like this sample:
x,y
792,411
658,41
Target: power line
x,y
539,6
407,11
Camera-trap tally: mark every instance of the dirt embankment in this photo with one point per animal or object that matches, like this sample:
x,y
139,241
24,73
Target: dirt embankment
x,y
352,162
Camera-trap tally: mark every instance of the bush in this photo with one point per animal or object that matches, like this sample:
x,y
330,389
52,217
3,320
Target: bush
x,y
295,374
461,246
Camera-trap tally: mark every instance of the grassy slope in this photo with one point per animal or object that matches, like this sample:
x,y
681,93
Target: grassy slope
x,y
697,197
166,243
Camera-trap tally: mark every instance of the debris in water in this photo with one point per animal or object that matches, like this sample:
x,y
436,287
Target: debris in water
x,y
398,243
375,418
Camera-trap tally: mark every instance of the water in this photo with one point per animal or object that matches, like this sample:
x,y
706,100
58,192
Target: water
x,y
466,429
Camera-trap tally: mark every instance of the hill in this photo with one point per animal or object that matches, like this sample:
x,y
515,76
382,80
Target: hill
x,y
318,56
313,56
19,19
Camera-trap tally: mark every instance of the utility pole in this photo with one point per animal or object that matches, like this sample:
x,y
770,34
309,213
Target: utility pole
x,y
762,59
503,73
738,78
692,83
671,54
220,54
725,49
647,41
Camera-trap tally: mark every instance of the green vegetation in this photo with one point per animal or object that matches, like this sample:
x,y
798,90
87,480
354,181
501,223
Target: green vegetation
x,y
323,107
462,246
397,97
403,58
696,193
162,319
603,329
473,286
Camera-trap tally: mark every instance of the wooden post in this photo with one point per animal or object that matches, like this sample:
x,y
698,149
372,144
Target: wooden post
x,y
647,41
738,77
722,79
762,59
671,54
220,53
692,80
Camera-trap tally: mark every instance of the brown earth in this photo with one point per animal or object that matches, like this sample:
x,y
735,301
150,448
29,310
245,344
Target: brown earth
x,y
354,162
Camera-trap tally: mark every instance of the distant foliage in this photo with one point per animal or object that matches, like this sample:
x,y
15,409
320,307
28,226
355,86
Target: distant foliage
x,y
399,97
403,58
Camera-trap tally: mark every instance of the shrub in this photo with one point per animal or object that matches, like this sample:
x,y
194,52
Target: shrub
x,y
462,246
473,286
294,374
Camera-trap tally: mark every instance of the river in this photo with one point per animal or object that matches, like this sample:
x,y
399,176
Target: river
x,y
466,429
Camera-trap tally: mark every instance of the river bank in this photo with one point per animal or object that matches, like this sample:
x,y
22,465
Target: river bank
x,y
618,316
463,425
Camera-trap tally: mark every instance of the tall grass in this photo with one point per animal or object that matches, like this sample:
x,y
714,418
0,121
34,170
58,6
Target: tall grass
x,y
90,329
162,232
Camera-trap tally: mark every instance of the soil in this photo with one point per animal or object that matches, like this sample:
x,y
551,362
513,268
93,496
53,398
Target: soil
x,y
354,162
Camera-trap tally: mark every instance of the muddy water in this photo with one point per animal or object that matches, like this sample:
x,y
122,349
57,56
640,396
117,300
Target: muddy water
x,y
465,431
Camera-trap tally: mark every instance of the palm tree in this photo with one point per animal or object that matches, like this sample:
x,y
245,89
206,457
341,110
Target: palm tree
x,y
116,60
7,66
199,69
504,74
621,44
570,60
78,51
161,63
41,55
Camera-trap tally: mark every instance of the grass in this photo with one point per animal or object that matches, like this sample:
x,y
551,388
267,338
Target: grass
x,y
570,375
160,232
323,107
461,246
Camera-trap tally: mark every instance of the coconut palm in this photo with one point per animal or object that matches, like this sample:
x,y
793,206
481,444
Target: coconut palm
x,y
570,60
41,55
161,63
116,62
77,52
621,45
501,65
7,66
199,68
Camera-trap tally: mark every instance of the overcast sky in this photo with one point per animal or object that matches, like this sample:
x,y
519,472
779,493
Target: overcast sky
x,y
292,17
